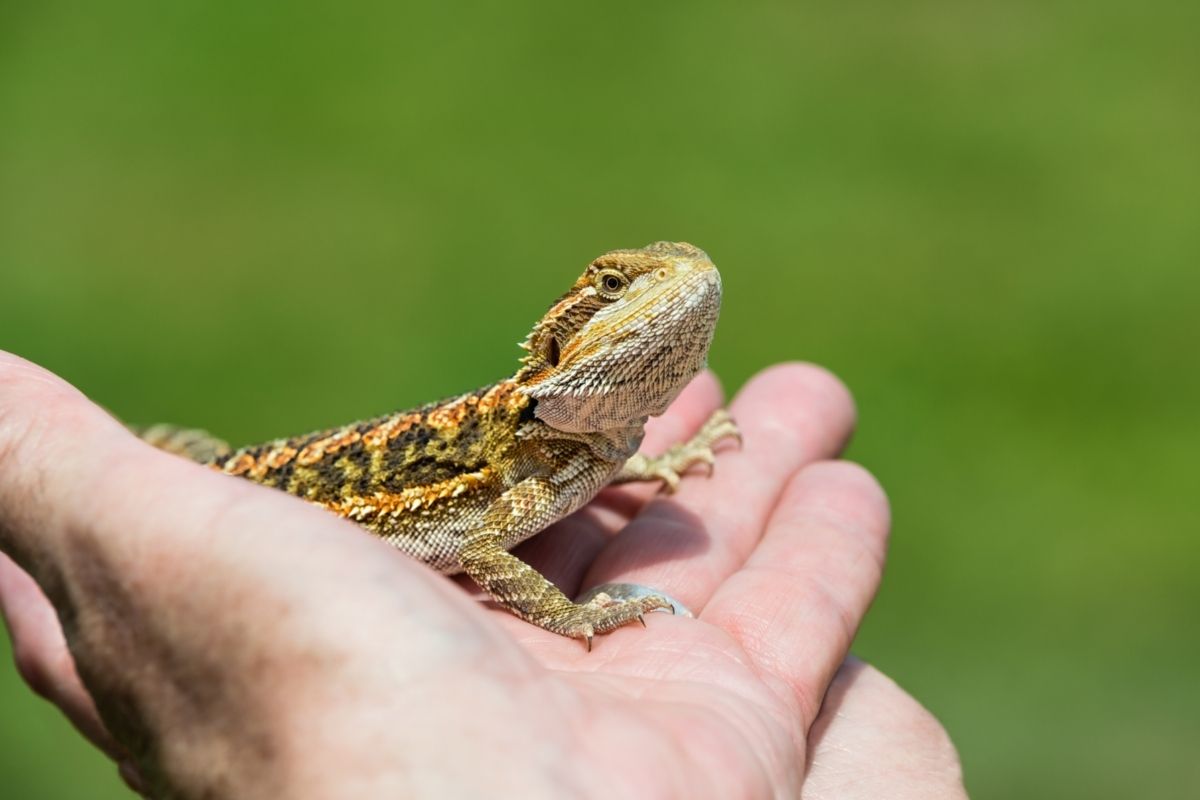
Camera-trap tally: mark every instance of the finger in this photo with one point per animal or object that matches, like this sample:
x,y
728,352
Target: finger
x,y
695,404
690,410
872,740
687,544
797,603
565,550
47,428
41,654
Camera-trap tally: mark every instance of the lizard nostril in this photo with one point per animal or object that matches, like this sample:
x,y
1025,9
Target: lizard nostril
x,y
661,274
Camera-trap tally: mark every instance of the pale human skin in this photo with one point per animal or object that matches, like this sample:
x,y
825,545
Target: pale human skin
x,y
236,642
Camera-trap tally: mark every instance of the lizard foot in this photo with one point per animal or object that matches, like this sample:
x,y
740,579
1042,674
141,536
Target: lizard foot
x,y
602,613
677,460
634,591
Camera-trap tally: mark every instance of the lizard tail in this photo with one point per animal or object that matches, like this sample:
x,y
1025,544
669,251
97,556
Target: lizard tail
x,y
190,443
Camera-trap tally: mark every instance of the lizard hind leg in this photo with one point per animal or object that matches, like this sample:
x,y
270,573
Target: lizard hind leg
x,y
672,464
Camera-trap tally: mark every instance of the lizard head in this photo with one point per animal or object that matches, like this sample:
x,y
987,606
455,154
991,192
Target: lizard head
x,y
624,341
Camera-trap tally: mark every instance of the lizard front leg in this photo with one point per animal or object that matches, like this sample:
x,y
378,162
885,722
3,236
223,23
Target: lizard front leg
x,y
677,460
521,511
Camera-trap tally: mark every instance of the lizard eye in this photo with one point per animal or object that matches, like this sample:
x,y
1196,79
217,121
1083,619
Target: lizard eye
x,y
610,284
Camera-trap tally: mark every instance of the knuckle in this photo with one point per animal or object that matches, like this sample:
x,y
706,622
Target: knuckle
x,y
28,396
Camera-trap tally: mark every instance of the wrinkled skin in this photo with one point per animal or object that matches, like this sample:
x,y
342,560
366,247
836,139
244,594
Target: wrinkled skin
x,y
237,642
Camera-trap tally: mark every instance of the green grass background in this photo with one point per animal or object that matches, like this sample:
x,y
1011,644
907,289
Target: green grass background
x,y
268,217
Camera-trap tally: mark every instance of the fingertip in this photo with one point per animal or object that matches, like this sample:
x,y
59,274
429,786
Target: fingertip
x,y
846,488
845,514
902,733
799,392
806,379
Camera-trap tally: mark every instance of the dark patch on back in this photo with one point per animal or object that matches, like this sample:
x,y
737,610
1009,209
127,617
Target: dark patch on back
x,y
418,455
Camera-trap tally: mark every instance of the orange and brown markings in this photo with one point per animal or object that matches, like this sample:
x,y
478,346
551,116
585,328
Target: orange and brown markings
x,y
377,507
406,462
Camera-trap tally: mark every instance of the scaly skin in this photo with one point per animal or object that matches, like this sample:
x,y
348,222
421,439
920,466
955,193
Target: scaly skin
x,y
459,483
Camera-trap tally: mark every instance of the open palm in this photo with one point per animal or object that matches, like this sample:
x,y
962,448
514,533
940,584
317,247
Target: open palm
x,y
241,643
778,554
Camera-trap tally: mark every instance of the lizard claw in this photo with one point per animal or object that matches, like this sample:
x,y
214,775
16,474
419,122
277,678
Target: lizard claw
x,y
671,465
598,611
676,461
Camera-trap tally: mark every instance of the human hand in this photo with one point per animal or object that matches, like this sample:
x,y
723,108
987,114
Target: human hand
x,y
242,643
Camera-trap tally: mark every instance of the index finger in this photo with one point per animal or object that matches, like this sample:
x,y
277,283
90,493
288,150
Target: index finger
x,y
796,605
687,544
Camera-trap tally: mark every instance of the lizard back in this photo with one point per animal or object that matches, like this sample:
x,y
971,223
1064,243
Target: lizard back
x,y
406,476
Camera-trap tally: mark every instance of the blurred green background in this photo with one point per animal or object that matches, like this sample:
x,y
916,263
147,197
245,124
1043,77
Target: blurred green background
x,y
267,217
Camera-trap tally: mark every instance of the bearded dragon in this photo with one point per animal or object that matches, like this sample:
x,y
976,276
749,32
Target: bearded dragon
x,y
458,483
